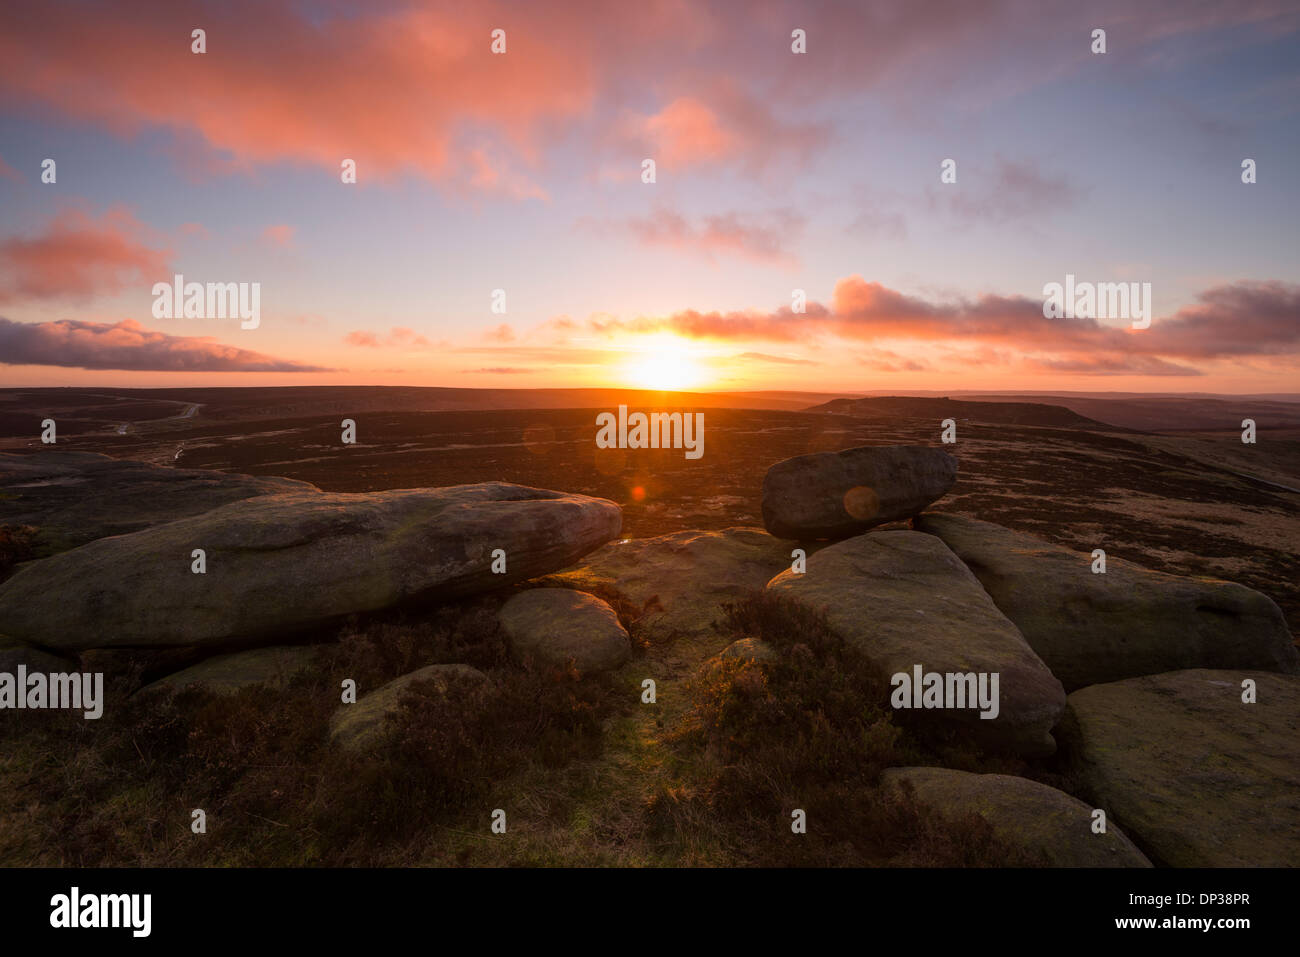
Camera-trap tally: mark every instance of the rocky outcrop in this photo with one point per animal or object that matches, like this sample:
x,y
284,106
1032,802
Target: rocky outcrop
x,y
558,625
830,495
359,726
280,563
1193,774
76,497
905,600
1047,823
1093,628
681,580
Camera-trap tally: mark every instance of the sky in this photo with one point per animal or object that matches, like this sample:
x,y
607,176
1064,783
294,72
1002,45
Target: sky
x,y
780,178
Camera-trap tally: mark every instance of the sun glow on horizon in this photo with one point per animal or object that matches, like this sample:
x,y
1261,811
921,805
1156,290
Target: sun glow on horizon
x,y
665,364
664,373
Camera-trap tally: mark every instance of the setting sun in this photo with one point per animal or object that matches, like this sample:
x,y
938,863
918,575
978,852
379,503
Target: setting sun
x,y
664,364
663,372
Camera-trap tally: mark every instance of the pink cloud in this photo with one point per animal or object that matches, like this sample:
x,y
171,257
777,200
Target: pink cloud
x,y
368,339
128,345
1112,364
280,235
1234,321
884,360
283,82
413,88
687,131
81,256
1238,319
396,337
492,174
762,237
400,335
717,122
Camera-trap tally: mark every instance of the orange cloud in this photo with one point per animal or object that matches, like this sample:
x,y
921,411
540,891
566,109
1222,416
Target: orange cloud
x,y
1110,365
687,131
1234,321
717,122
779,360
284,82
80,257
413,87
883,360
397,337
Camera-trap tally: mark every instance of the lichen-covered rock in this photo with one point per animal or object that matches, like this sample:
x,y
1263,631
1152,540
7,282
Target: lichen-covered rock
x,y
904,600
1047,823
838,494
684,578
1094,628
72,498
282,563
558,625
1195,775
359,726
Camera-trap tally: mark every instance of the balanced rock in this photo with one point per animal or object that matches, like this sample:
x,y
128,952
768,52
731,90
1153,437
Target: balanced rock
x,y
1094,628
558,625
906,601
76,497
228,674
282,563
1194,774
838,494
1047,823
361,725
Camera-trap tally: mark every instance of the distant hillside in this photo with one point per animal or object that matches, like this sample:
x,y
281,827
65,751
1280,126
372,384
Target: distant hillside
x,y
1006,413
257,402
1172,413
